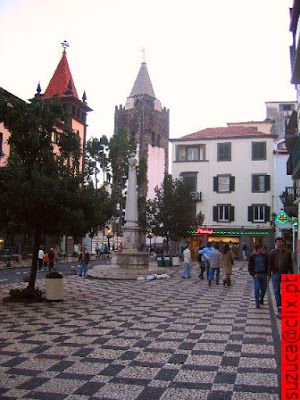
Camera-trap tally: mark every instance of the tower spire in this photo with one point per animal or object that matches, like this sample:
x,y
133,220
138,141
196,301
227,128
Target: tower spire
x,y
61,80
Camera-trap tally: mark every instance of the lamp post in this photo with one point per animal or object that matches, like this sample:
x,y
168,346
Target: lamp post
x,y
109,232
150,235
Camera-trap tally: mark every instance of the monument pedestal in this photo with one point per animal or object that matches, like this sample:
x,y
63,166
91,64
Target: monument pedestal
x,y
131,260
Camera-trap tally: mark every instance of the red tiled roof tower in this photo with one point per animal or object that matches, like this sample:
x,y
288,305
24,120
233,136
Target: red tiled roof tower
x,y
61,82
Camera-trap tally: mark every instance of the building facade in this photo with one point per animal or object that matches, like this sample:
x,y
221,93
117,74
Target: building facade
x,y
148,122
230,169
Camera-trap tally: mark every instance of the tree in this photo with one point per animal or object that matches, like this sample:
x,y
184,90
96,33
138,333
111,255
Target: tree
x,y
171,213
41,186
120,148
96,158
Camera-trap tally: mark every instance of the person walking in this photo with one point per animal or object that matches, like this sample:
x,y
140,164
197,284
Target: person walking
x,y
51,257
280,262
186,261
227,262
245,248
206,251
215,260
56,256
201,263
84,259
41,258
258,269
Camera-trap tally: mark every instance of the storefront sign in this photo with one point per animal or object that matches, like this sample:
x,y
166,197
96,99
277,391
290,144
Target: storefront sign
x,y
204,231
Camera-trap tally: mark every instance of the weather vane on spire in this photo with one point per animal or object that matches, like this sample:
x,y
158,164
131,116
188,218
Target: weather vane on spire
x,y
144,54
65,45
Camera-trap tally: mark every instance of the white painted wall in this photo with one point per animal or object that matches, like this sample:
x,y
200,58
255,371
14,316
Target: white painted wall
x,y
156,168
241,166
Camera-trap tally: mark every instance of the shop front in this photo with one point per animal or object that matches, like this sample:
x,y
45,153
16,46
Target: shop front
x,y
235,237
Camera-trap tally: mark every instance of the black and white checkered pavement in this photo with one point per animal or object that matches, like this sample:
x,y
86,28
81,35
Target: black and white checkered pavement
x,y
170,339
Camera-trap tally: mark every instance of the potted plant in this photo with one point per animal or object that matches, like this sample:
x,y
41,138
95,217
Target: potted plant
x,y
54,286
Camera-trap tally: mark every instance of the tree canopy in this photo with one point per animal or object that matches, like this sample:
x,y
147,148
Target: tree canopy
x,y
41,185
171,213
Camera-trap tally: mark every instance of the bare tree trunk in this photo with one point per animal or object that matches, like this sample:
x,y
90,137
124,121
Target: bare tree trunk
x,y
36,246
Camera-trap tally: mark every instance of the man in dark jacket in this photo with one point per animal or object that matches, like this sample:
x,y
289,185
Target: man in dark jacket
x,y
258,268
280,262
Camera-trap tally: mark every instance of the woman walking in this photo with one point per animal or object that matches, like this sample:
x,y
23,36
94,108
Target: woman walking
x,y
227,262
186,261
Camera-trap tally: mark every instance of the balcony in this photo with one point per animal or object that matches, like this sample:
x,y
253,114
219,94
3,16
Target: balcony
x,y
296,160
288,198
196,196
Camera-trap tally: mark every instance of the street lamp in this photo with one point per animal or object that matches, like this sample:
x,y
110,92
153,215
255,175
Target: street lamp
x,y
109,235
150,235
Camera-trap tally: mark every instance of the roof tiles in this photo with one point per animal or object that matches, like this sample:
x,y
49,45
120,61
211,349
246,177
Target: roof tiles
x,y
228,131
61,79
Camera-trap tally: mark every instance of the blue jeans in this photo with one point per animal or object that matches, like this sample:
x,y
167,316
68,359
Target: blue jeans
x,y
260,287
207,268
276,282
186,272
212,274
82,269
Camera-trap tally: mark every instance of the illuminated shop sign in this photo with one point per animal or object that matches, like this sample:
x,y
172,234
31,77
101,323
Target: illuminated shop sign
x,y
208,231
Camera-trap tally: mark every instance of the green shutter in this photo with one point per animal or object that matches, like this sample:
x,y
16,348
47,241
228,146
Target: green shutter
x,y
255,180
231,213
232,183
250,213
216,184
267,182
267,213
215,213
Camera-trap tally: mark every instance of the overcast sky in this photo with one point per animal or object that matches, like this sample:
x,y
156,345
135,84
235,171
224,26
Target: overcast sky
x,y
210,61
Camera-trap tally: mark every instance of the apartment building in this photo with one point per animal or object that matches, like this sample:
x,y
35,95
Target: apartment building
x,y
230,170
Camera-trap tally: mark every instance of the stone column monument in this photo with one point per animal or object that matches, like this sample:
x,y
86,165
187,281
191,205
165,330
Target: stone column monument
x,y
130,257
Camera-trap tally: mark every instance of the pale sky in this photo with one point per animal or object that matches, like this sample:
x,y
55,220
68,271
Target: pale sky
x,y
210,61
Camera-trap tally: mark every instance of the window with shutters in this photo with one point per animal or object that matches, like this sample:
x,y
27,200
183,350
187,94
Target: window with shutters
x,y
259,151
260,183
224,183
259,213
223,213
224,151
190,153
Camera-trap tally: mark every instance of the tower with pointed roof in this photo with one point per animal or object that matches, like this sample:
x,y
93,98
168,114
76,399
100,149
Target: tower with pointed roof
x,y
62,85
148,122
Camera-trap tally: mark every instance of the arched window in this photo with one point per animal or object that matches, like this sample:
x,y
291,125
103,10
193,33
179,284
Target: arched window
x,y
158,141
153,139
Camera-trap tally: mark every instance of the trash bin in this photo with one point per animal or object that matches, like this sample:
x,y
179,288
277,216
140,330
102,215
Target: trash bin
x,y
175,261
167,260
160,261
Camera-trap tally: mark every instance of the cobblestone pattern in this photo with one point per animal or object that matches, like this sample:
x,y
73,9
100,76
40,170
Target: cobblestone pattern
x,y
165,339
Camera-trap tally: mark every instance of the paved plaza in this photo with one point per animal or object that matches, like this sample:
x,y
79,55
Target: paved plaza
x,y
167,339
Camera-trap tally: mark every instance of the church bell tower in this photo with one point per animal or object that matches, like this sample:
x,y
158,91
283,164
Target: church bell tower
x,y
146,121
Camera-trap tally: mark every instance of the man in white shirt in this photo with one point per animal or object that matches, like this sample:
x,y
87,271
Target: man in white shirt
x,y
186,261
215,260
41,258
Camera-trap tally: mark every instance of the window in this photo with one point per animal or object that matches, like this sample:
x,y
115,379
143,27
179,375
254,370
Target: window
x,y
153,139
224,151
158,140
224,183
286,107
190,179
190,153
259,151
259,213
260,183
223,213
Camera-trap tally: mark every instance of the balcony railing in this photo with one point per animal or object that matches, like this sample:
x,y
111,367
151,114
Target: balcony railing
x,y
288,198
